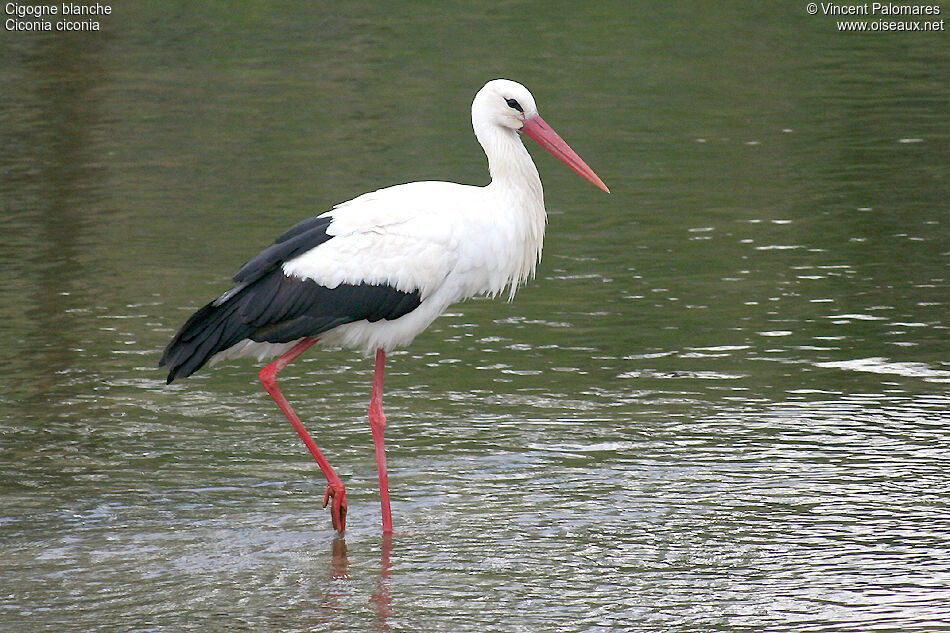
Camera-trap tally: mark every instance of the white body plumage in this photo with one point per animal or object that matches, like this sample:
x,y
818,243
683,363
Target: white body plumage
x,y
448,241
374,272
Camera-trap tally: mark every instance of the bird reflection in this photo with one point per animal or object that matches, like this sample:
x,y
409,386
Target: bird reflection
x,y
339,584
339,573
382,598
339,563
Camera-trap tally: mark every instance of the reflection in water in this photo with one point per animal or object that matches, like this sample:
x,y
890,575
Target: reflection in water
x,y
61,196
382,598
340,564
52,200
339,573
341,589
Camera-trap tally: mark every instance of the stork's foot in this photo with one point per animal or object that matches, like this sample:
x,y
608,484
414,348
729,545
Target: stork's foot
x,y
337,492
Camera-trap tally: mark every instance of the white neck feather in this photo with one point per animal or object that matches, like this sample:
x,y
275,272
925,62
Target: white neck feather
x,y
516,186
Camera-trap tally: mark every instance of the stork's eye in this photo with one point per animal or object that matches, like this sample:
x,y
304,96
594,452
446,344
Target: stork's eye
x,y
514,104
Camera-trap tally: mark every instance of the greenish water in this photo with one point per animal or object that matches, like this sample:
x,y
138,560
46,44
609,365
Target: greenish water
x,y
722,405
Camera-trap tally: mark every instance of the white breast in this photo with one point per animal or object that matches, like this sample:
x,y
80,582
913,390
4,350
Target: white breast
x,y
448,241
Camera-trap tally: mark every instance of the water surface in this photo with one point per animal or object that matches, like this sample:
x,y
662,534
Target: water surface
x,y
722,405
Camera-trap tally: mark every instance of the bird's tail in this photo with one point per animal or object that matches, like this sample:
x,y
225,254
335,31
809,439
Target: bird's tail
x,y
212,329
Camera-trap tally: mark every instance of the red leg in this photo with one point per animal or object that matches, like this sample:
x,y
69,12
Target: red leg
x,y
335,488
377,422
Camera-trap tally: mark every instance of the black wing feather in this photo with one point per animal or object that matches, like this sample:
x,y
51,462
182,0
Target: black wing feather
x,y
296,241
270,306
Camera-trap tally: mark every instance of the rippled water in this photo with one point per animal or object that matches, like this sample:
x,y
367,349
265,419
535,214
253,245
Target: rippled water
x,y
721,406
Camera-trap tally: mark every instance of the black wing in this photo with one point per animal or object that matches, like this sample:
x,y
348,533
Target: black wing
x,y
302,237
269,306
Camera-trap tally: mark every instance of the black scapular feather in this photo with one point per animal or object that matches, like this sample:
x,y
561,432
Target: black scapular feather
x,y
298,240
269,306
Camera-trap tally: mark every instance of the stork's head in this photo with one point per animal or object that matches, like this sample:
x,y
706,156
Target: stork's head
x,y
505,102
508,104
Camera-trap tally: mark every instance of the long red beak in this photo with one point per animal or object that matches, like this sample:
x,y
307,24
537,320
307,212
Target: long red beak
x,y
546,137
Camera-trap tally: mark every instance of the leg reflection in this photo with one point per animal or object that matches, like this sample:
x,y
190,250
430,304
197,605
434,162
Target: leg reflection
x,y
339,573
382,598
340,565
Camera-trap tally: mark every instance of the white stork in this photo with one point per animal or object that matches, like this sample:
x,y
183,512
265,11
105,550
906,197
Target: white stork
x,y
374,272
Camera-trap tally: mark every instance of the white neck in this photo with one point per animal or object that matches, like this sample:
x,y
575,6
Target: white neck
x,y
516,186
509,163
